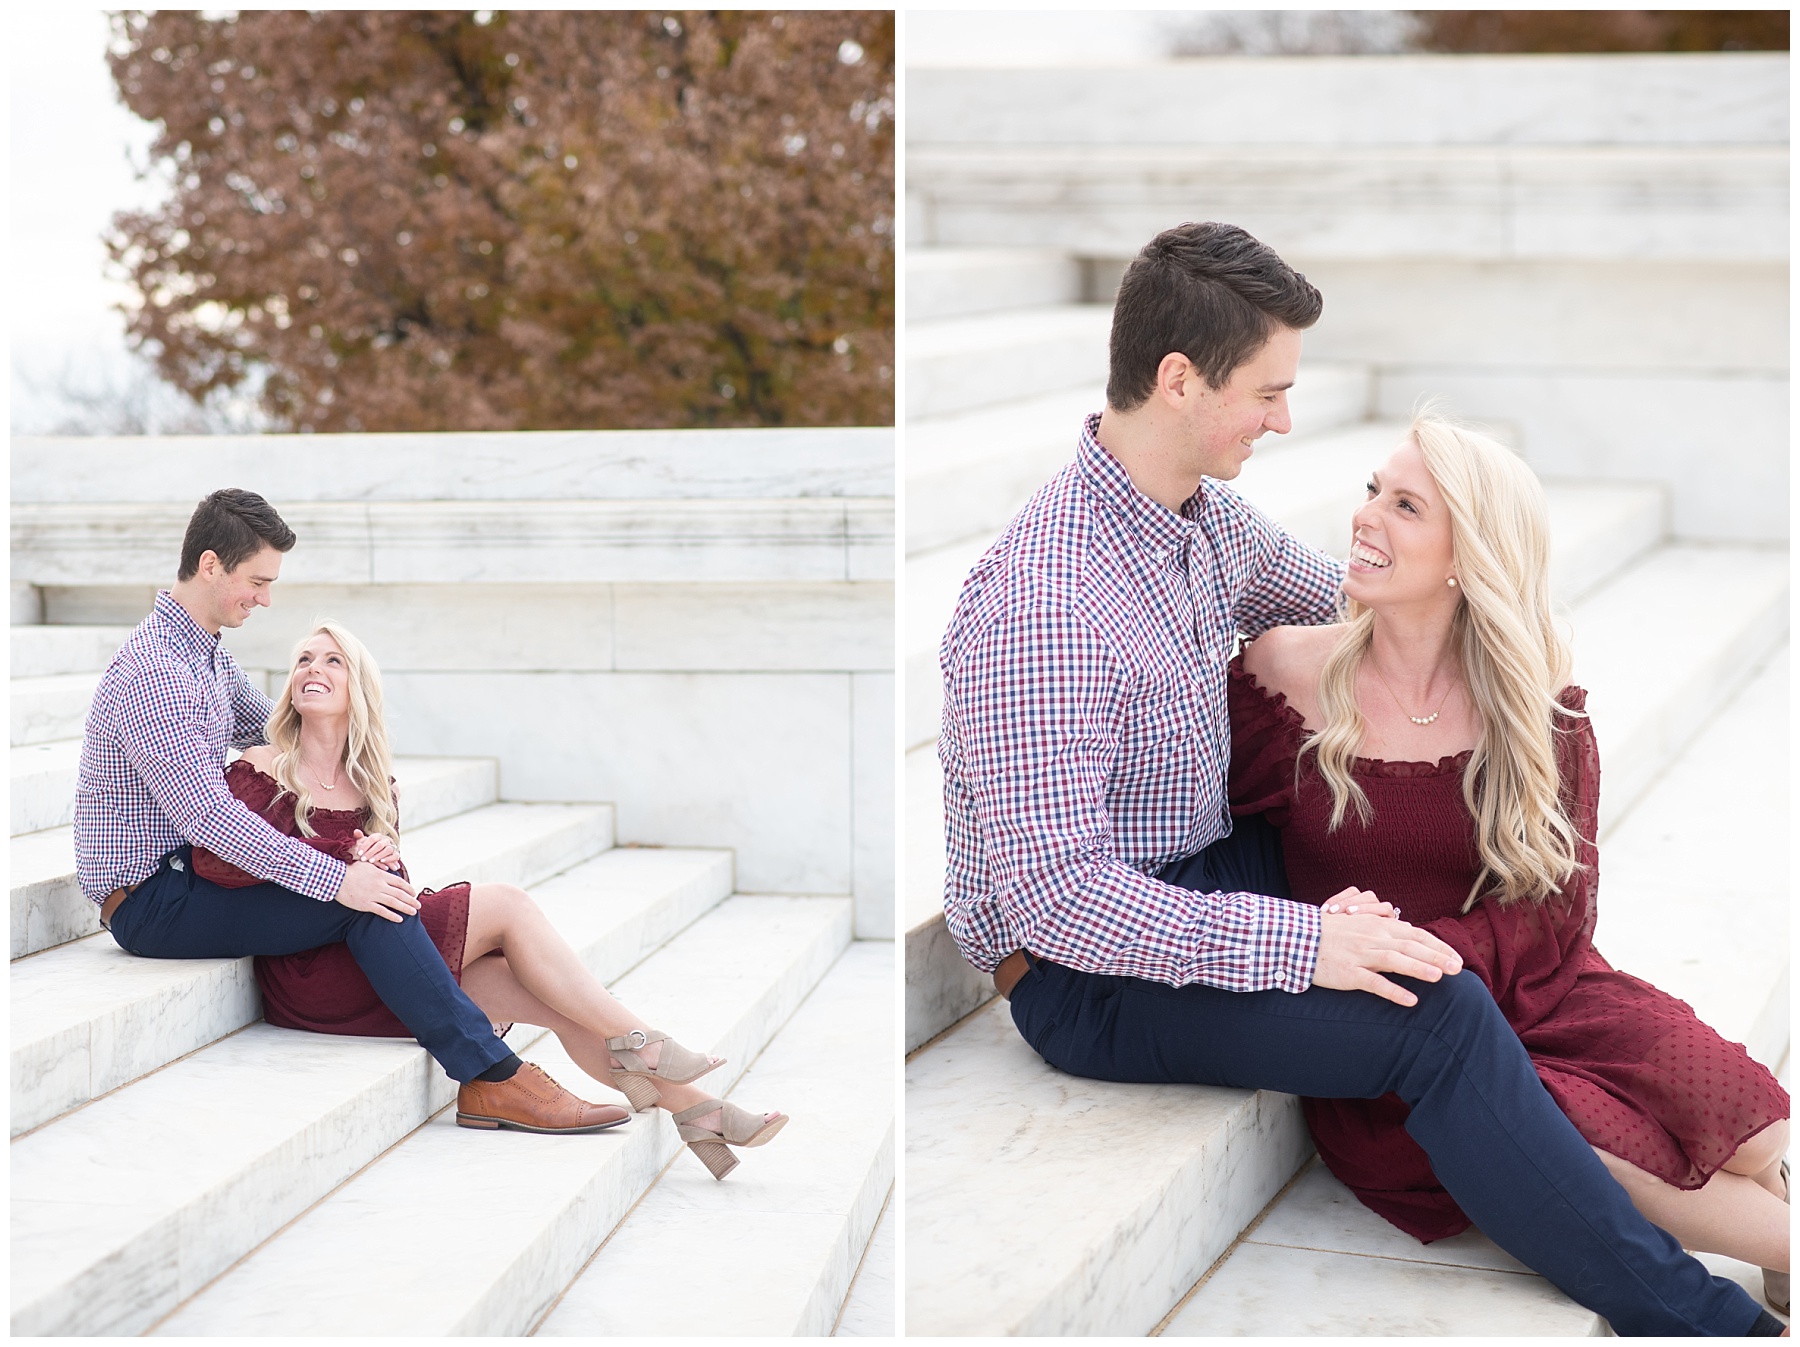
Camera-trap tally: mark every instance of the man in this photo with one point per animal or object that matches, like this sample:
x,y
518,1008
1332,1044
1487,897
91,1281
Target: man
x,y
1093,867
151,784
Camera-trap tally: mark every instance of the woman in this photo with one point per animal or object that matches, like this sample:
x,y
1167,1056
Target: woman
x,y
1428,749
324,777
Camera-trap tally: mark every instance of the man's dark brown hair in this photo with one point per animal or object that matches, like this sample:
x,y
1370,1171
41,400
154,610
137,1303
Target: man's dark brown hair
x,y
235,525
1209,291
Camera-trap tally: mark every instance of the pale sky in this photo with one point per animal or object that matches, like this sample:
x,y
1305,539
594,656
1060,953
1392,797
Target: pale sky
x,y
70,171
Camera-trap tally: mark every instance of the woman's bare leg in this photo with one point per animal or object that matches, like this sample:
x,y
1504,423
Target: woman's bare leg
x,y
1736,1213
493,985
563,995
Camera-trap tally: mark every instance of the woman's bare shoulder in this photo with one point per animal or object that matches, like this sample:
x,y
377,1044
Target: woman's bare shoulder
x,y
261,757
1288,659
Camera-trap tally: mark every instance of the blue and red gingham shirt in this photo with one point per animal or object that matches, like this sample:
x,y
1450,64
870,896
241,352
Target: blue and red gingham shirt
x,y
1085,736
152,765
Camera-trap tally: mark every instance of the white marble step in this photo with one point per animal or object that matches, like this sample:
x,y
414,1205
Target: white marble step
x,y
1704,921
1111,1199
783,1244
1707,924
1665,645
1320,1264
956,364
459,1232
52,707
869,1309
968,474
956,282
44,651
88,1017
49,909
230,1143
43,784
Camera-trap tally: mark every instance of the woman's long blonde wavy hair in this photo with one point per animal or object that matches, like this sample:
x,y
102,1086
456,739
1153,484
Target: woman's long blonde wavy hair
x,y
366,755
1512,656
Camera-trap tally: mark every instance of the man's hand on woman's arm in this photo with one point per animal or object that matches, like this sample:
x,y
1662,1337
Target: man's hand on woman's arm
x,y
1360,938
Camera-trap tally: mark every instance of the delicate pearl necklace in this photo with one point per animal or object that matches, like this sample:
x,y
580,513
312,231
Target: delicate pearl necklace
x,y
323,783
1417,720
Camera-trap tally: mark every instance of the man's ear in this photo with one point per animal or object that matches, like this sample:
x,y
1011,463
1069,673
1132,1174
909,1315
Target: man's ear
x,y
208,565
1176,379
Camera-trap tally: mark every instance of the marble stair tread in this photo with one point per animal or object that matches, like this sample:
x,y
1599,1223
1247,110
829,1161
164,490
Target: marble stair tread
x,y
956,282
1663,646
1598,529
955,364
459,1231
1704,923
53,706
42,651
506,843
869,1309
1042,1203
1322,1264
314,1109
124,1207
782,1237
48,908
43,784
88,1017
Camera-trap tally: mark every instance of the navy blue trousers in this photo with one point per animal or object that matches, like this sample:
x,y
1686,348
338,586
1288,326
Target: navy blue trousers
x,y
1496,1139
178,915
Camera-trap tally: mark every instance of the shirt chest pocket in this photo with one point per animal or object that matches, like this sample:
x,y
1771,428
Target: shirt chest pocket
x,y
1165,713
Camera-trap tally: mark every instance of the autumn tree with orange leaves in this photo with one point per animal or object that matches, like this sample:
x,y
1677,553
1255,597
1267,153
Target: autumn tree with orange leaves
x,y
508,221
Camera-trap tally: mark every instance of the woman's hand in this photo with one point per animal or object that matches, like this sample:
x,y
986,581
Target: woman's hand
x,y
377,850
1354,901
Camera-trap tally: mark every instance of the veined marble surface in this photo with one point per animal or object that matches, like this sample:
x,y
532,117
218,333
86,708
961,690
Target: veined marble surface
x,y
483,542
1042,1203
1729,98
869,1310
783,1235
541,1205
445,466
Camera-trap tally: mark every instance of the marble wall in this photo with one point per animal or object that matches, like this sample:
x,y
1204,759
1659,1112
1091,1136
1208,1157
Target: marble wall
x,y
717,664
1591,249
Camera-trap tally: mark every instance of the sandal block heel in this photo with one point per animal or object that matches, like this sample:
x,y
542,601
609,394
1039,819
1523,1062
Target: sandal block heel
x,y
716,1156
737,1128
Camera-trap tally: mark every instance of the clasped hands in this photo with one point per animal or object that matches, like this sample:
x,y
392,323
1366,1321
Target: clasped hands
x,y
1361,937
371,884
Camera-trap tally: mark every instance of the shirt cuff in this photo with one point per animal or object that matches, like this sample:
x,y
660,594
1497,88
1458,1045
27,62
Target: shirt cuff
x,y
1294,934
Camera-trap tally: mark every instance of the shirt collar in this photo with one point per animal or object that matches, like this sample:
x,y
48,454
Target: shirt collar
x,y
1157,525
181,631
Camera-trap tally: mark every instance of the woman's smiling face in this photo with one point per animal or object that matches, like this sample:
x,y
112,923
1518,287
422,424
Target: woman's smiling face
x,y
320,682
1401,549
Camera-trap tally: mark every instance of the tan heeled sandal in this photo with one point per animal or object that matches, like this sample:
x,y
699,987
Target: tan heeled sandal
x,y
739,1128
636,1079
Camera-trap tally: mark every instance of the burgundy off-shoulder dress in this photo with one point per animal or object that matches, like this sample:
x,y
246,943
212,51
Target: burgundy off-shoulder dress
x,y
322,990
1633,1067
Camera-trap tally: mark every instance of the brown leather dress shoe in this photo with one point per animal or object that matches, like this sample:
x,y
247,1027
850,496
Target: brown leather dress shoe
x,y
532,1102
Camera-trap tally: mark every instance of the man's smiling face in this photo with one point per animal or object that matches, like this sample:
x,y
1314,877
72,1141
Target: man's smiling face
x,y
1225,422
235,594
